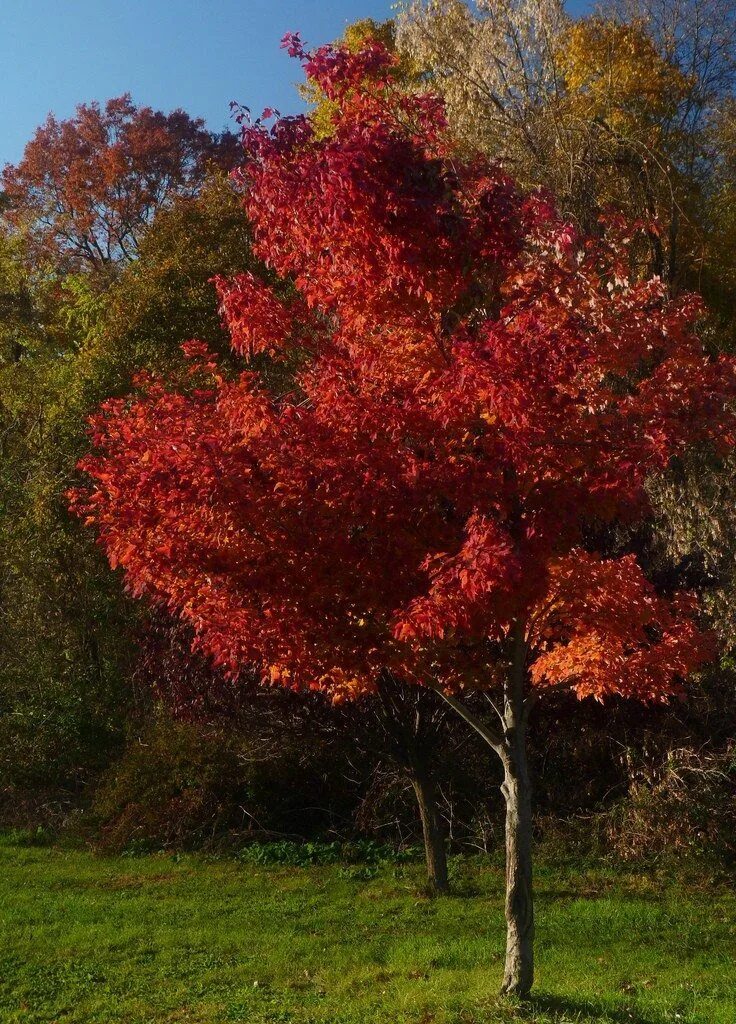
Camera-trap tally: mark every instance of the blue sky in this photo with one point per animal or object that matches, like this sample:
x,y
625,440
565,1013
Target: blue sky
x,y
195,54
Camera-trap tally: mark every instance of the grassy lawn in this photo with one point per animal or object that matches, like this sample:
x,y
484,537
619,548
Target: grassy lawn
x,y
159,939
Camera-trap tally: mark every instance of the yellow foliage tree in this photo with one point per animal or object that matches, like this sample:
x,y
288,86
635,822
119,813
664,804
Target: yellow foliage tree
x,y
612,72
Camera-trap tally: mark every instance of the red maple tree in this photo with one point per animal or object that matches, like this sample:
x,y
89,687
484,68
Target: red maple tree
x,y
483,393
87,187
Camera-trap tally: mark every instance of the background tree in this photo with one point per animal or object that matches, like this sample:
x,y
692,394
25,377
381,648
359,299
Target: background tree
x,y
87,188
614,108
496,67
408,728
67,635
622,101
18,311
488,395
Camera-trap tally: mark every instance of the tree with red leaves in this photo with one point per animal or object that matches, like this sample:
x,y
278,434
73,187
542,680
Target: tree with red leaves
x,y
483,395
86,188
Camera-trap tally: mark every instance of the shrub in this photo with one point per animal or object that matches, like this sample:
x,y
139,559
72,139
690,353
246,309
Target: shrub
x,y
188,784
686,806
176,785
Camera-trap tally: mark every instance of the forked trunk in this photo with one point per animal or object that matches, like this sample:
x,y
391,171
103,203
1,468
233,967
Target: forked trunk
x,y
510,744
433,830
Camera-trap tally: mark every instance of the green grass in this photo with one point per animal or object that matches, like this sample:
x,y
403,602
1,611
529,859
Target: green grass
x,y
159,939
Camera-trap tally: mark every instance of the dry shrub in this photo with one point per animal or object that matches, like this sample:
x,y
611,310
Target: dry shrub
x,y
686,806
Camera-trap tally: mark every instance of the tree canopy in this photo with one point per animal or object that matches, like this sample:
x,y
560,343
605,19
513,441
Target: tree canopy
x,y
86,188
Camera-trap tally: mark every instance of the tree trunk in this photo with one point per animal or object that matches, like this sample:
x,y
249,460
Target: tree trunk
x,y
519,970
411,725
510,744
433,829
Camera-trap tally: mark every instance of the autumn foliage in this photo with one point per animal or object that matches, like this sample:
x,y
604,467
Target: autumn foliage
x,y
483,393
87,187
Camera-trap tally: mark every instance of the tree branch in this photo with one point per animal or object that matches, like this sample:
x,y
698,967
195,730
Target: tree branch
x,y
492,738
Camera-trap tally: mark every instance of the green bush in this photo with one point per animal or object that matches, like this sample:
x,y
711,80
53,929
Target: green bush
x,y
176,785
360,852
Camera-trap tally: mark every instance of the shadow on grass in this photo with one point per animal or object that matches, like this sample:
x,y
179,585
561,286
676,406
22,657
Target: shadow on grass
x,y
600,892
562,1009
